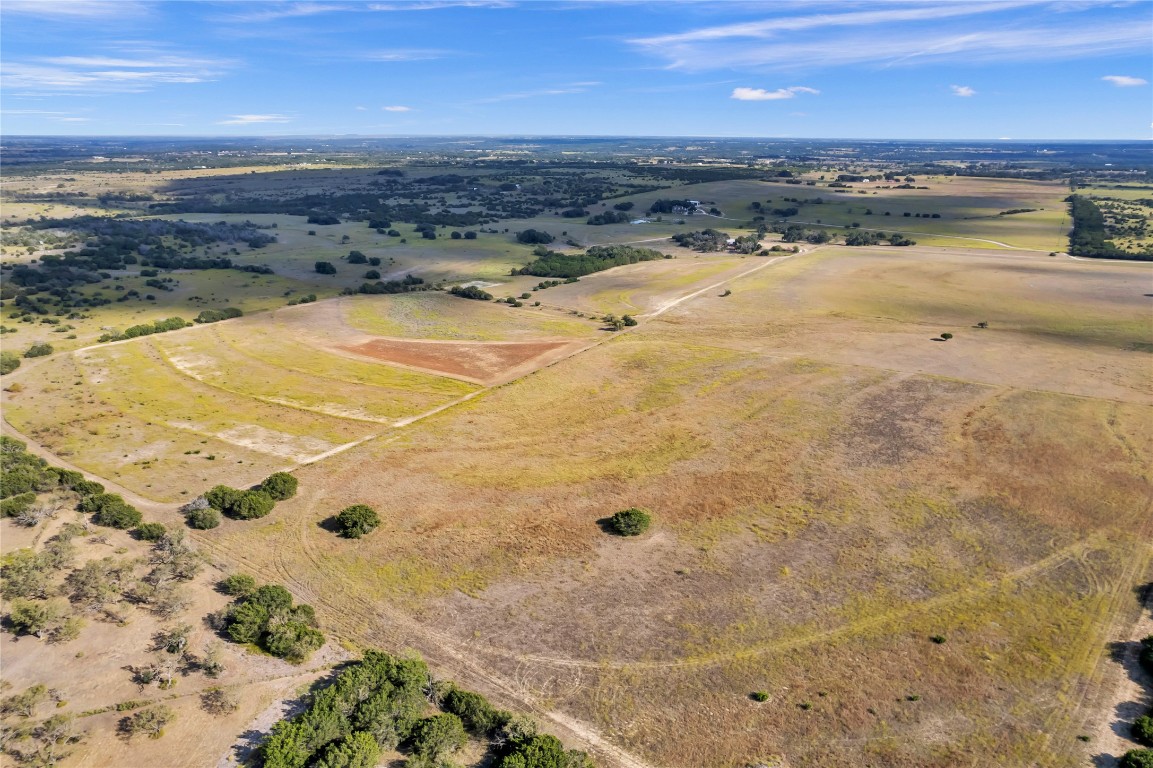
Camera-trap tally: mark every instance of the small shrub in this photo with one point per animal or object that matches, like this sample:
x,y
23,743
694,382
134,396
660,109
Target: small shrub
x,y
946,335
1143,730
252,505
357,520
9,362
938,639
630,522
238,585
759,695
280,486
39,350
151,531
203,519
150,722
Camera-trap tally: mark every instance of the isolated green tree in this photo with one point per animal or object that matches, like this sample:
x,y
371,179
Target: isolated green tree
x,y
280,486
630,522
325,268
357,520
252,505
203,519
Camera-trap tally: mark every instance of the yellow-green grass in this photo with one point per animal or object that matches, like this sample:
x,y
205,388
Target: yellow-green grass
x,y
272,343
204,356
436,315
92,430
135,376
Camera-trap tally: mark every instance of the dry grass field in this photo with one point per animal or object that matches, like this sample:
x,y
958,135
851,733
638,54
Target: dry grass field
x,y
919,549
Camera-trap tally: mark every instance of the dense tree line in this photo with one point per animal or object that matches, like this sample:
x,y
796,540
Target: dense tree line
x,y
600,257
705,241
608,217
670,206
380,703
216,315
146,329
1087,237
470,292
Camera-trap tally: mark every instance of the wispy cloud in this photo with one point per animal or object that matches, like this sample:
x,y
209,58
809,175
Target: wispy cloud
x,y
76,10
1124,81
403,54
397,108
980,32
963,90
570,88
277,11
434,5
760,94
92,75
254,119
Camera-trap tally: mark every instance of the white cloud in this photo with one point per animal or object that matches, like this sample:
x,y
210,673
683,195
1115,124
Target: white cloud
x,y
361,109
570,88
254,119
277,11
433,5
403,54
963,90
760,94
976,32
88,75
75,10
397,108
75,119
1124,81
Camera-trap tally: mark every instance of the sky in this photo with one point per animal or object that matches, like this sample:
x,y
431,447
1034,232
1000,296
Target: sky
x,y
883,69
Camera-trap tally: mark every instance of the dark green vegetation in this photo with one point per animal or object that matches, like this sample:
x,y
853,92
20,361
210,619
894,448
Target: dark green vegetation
x,y
599,257
409,284
38,350
470,292
9,361
630,522
280,486
1088,236
356,521
114,243
266,617
216,315
147,329
22,473
1137,758
382,703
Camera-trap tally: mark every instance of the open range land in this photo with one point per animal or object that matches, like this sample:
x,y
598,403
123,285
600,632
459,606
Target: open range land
x,y
901,496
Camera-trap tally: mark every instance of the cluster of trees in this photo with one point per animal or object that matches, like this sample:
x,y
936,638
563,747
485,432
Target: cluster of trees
x,y
112,510
705,241
147,329
609,217
21,473
1087,237
216,315
867,237
379,704
553,264
408,284
1142,728
470,292
204,512
534,237
671,206
266,617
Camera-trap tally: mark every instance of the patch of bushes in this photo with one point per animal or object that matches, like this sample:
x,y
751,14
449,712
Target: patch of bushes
x,y
599,257
279,486
151,531
216,315
112,510
470,292
534,237
267,618
9,362
242,505
39,350
630,522
356,521
1137,758
147,329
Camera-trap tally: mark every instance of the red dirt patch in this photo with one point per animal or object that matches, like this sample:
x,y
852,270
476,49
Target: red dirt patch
x,y
480,362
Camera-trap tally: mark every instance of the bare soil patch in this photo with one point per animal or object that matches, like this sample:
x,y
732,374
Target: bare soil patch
x,y
483,363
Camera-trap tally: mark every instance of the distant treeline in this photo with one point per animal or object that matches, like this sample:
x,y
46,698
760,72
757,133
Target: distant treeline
x,y
599,257
1087,237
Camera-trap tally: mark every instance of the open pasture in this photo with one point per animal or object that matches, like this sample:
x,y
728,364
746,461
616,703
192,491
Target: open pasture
x,y
831,487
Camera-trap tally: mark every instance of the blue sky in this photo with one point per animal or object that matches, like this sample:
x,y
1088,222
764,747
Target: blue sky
x,y
960,69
